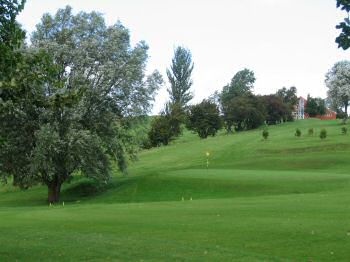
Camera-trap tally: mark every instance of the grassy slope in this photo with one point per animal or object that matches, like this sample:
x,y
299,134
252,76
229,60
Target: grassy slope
x,y
285,199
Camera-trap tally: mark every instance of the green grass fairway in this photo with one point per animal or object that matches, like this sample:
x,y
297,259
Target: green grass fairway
x,y
284,199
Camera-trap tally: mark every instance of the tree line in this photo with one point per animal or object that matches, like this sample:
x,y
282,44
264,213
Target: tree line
x,y
235,108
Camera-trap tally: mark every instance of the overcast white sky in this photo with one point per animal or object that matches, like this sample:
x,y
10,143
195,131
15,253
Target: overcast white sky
x,y
285,42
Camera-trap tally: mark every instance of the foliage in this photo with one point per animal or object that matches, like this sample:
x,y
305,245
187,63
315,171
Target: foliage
x,y
265,133
323,133
297,132
179,76
11,39
176,115
338,84
343,40
204,119
289,98
315,106
243,113
75,104
277,111
160,132
310,132
137,129
344,121
241,84
341,115
344,130
239,106
167,126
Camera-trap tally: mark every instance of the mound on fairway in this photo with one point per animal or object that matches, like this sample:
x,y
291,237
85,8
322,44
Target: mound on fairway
x,y
283,199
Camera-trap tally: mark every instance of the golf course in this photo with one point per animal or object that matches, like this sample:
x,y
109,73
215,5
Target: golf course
x,y
232,197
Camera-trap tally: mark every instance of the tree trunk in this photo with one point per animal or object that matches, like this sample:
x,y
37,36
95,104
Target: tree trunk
x,y
54,191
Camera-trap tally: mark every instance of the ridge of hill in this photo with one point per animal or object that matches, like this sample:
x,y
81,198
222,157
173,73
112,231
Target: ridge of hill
x,y
240,162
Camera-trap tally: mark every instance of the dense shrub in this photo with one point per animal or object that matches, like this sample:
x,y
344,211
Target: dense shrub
x,y
161,132
265,134
311,132
204,119
323,133
297,132
243,113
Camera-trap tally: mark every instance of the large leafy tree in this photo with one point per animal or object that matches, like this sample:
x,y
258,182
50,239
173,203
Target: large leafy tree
x,y
244,113
11,38
241,84
204,119
239,89
92,83
343,40
289,98
315,106
338,83
179,76
12,70
276,110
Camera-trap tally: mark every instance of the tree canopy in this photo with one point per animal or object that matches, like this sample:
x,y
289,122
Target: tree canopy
x,y
236,98
204,119
179,76
277,111
343,40
241,84
81,82
244,113
11,38
315,106
288,96
338,84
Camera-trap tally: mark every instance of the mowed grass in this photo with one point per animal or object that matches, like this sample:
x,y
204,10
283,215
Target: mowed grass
x,y
284,199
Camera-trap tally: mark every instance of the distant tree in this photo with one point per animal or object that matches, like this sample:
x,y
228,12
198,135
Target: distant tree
x,y
241,84
343,40
289,97
244,113
72,106
204,119
315,106
233,97
338,84
179,76
277,111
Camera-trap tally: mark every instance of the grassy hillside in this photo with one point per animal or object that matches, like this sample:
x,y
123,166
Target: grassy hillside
x,y
284,199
